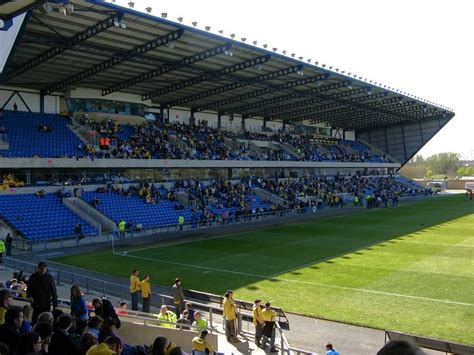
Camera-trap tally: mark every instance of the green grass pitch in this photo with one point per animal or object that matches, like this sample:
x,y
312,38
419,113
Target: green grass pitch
x,y
409,268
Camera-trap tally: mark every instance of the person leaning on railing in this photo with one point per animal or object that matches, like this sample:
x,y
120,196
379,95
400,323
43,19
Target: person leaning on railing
x,y
230,315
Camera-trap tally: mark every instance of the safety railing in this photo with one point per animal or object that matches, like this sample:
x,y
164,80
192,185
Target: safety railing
x,y
131,233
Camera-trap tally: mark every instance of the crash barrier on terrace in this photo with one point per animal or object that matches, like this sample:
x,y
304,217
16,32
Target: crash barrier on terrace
x,y
430,343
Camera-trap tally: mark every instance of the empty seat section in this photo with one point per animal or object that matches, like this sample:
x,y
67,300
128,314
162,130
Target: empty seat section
x,y
41,217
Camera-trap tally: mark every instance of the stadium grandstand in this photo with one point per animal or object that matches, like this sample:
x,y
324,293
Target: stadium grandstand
x,y
125,128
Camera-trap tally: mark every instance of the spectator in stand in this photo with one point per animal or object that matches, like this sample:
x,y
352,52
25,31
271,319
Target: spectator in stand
x,y
79,309
61,342
146,294
111,345
57,313
41,291
178,296
10,330
330,349
190,309
45,331
30,343
88,340
135,288
167,316
5,302
94,325
230,314
200,323
46,317
183,319
4,349
201,345
258,321
269,316
161,346
27,318
104,309
108,329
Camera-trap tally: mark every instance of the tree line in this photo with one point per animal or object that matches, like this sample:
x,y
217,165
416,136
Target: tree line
x,y
436,166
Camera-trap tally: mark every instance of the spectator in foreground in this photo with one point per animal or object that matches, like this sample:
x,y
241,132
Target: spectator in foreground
x,y
399,347
46,317
104,309
108,329
5,301
200,344
161,346
88,340
112,345
45,331
41,291
27,316
10,330
30,344
94,325
61,342
330,349
79,309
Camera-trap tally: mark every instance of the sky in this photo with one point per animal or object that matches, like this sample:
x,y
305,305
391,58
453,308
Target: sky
x,y
423,47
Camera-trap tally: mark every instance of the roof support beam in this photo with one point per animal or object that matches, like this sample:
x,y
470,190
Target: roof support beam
x,y
183,63
240,98
213,75
236,85
68,44
275,111
135,52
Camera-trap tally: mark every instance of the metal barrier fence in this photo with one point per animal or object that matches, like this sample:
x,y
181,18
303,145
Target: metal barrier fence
x,y
24,244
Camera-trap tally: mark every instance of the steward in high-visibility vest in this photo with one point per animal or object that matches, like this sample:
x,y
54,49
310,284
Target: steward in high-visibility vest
x,y
181,222
2,250
122,224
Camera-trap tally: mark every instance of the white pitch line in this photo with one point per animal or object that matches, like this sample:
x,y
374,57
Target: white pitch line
x,y
390,294
194,266
306,220
440,244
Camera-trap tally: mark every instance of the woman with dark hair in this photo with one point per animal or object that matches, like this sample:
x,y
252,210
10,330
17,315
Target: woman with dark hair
x,y
79,310
30,344
159,346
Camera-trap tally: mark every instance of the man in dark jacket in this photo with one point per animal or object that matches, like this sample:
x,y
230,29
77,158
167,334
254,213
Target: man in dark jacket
x,y
41,291
105,309
10,330
61,342
178,297
9,244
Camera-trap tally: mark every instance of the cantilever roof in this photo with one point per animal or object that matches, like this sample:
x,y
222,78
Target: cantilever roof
x,y
104,46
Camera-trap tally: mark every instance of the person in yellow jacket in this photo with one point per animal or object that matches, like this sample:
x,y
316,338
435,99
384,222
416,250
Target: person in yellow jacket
x,y
167,316
5,302
258,321
121,226
200,344
230,315
269,317
135,288
2,250
146,294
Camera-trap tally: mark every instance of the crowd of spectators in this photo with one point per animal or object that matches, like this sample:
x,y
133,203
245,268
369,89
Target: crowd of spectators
x,y
197,140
